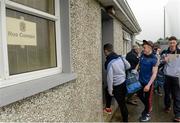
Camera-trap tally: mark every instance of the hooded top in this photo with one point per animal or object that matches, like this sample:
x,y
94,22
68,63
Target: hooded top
x,y
116,67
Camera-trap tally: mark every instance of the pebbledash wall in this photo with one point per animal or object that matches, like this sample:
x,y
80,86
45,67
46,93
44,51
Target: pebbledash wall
x,y
79,99
118,37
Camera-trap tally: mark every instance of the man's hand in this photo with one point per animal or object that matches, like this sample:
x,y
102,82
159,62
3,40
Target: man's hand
x,y
146,88
111,92
134,71
153,77
166,59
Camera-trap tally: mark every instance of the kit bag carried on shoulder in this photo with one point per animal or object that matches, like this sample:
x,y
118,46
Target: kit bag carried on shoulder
x,y
132,83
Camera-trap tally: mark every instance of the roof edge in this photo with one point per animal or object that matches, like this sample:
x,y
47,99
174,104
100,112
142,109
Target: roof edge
x,y
128,11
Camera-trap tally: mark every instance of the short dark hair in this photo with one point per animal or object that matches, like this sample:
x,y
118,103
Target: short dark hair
x,y
156,46
172,38
108,47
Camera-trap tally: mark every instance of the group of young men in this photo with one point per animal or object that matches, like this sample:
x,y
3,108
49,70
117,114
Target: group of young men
x,y
148,63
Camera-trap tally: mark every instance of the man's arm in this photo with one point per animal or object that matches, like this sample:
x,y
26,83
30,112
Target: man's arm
x,y
110,80
126,63
153,77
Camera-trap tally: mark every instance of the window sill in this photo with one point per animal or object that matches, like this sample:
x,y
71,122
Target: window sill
x,y
10,94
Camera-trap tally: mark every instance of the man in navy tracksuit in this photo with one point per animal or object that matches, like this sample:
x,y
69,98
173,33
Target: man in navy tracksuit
x,y
147,75
116,67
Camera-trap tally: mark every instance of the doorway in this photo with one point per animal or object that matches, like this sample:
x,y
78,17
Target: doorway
x,y
107,37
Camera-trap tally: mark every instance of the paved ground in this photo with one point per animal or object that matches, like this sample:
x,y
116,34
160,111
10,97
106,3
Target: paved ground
x,y
158,115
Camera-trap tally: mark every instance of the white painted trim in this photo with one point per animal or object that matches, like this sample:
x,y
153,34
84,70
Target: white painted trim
x,y
58,34
132,16
18,87
126,36
125,6
8,80
4,41
20,78
117,4
29,10
1,48
10,94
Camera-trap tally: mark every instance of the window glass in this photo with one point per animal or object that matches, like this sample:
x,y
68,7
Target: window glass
x,y
43,5
31,42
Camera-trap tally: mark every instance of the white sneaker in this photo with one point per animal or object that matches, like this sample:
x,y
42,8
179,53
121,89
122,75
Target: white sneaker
x,y
145,118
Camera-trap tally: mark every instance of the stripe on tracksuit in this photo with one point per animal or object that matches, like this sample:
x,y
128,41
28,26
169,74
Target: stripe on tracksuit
x,y
151,97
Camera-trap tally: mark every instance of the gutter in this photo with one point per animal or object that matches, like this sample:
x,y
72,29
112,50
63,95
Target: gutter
x,y
130,16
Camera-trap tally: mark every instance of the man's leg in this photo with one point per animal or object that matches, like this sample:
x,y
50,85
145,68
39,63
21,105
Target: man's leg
x,y
148,98
148,105
119,94
141,95
176,97
167,92
108,98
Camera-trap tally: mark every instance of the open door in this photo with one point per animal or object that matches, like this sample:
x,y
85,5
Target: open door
x,y
107,37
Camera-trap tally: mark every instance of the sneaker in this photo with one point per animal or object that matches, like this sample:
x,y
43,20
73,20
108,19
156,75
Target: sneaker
x,y
177,119
167,110
145,118
107,110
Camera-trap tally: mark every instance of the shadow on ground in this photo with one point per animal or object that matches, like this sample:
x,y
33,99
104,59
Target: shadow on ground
x,y
158,114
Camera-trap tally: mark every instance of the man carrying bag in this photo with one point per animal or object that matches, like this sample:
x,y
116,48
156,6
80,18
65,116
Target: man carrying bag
x,y
116,78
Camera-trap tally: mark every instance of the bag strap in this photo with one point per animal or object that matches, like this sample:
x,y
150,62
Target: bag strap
x,y
126,72
123,62
137,67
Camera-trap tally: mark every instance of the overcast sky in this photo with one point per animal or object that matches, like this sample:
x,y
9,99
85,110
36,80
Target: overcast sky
x,y
149,14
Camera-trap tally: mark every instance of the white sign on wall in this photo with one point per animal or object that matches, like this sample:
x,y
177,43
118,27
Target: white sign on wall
x,y
21,32
126,36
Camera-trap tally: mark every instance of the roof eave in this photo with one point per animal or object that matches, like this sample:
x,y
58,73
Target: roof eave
x,y
124,13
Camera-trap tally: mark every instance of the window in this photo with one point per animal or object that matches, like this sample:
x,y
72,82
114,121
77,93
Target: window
x,y
29,41
126,42
45,5
25,56
30,47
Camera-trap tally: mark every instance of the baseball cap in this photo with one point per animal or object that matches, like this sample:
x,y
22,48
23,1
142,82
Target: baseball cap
x,y
150,43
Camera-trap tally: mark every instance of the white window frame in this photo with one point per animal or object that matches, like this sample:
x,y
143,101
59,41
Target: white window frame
x,y
28,84
5,78
126,36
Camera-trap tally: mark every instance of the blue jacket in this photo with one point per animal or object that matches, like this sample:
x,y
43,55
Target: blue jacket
x,y
146,66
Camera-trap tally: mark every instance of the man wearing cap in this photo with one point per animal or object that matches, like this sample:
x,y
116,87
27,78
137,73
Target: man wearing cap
x,y
172,75
147,75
